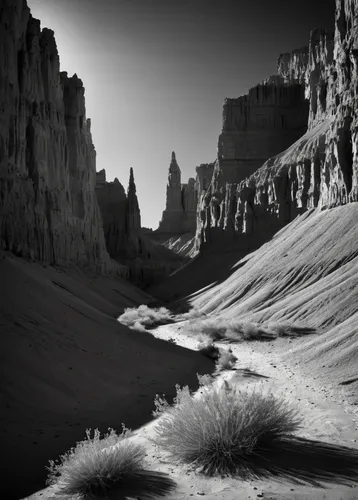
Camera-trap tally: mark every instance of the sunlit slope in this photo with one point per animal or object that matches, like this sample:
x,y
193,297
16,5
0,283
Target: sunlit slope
x,y
307,272
67,364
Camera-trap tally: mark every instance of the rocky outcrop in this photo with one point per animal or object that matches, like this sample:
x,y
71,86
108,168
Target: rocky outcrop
x,y
126,241
320,170
48,207
259,125
179,215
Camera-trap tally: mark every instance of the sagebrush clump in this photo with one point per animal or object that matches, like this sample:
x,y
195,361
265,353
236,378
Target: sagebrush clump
x,y
142,317
225,430
236,330
97,467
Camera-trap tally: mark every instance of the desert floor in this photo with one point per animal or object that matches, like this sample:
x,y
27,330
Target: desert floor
x,y
327,418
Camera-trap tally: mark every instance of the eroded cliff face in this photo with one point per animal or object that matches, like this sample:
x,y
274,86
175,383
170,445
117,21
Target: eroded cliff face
x,y
320,169
48,204
148,263
179,215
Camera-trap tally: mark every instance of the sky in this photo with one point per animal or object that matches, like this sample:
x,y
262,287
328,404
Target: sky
x,y
156,73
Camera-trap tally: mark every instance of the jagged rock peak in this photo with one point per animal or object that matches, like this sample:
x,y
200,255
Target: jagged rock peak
x,y
131,186
101,176
133,211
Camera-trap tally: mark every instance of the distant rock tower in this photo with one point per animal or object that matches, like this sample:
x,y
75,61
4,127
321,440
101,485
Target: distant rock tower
x,y
179,215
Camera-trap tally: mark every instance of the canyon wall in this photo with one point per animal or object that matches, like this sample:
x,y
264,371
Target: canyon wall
x,y
147,262
320,169
48,205
179,215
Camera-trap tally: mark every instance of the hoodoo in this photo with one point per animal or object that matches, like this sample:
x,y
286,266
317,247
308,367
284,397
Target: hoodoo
x,y
179,215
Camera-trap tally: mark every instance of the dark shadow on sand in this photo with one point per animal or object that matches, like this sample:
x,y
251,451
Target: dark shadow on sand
x,y
303,461
145,484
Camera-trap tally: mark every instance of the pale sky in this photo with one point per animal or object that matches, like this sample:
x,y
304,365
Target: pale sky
x,y
156,73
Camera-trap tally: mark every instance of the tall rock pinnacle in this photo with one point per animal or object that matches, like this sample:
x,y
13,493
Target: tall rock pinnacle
x,y
180,211
174,179
133,212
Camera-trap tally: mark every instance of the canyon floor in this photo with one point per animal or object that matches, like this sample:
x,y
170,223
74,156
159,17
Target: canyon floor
x,y
327,418
70,365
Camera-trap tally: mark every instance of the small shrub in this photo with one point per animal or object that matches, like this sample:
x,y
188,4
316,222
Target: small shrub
x,y
212,327
226,360
97,467
289,330
142,317
209,350
225,430
236,330
205,380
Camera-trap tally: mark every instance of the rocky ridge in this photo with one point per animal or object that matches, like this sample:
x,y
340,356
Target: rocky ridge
x,y
48,205
319,169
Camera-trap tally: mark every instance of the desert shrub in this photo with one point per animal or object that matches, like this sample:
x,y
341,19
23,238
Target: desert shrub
x,y
212,327
209,350
226,360
192,314
142,317
97,467
288,329
224,431
236,330
205,380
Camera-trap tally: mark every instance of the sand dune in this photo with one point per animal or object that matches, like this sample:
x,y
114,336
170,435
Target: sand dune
x,y
67,365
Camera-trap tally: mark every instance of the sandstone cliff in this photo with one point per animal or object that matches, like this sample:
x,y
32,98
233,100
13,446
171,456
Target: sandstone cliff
x,y
126,241
179,215
48,204
320,168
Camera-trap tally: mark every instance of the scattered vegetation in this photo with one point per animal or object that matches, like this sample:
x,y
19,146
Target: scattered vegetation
x,y
210,328
224,431
233,330
97,467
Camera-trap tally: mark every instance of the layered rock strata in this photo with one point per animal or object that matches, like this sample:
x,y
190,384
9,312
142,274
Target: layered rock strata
x,y
320,170
179,215
48,206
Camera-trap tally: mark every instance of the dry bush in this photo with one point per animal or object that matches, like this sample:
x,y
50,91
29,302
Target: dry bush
x,y
226,360
288,329
224,431
205,380
236,330
209,350
142,317
211,327
97,467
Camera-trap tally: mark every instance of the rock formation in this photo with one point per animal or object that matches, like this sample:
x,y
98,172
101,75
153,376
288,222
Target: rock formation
x,y
260,124
320,169
126,241
179,215
48,204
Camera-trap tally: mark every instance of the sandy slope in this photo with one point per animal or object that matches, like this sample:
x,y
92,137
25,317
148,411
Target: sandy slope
x,y
67,364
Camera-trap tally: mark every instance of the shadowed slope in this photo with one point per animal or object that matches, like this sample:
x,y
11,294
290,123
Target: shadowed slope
x,y
67,365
